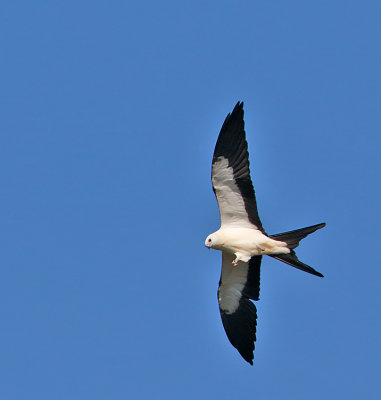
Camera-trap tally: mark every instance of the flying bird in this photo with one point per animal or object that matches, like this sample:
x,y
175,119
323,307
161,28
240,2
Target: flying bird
x,y
242,238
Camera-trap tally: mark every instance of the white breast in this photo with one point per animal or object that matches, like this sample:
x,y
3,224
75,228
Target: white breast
x,y
249,242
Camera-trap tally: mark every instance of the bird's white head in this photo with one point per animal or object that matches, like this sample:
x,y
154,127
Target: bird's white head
x,y
211,241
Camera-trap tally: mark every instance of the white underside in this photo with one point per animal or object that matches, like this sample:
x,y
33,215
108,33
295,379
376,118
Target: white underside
x,y
233,280
230,201
247,242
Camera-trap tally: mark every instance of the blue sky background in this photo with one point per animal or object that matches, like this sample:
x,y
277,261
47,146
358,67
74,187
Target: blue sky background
x,y
109,116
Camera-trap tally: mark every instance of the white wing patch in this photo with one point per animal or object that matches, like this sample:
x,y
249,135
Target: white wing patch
x,y
229,198
233,280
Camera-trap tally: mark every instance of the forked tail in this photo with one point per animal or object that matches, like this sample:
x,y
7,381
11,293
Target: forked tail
x,y
292,238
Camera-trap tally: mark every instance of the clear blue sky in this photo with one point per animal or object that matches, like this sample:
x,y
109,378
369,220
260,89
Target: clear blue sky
x,y
109,116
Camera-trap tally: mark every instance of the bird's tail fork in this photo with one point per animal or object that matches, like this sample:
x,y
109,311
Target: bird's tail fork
x,y
292,238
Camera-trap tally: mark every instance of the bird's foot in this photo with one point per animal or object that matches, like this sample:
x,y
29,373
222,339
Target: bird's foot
x,y
240,257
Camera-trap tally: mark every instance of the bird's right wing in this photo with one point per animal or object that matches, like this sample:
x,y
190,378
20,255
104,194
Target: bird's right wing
x,y
231,174
237,285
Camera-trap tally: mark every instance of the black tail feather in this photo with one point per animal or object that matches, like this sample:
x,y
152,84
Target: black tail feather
x,y
292,260
292,238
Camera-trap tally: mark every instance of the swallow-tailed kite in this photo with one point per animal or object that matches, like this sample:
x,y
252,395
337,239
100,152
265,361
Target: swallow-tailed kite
x,y
241,237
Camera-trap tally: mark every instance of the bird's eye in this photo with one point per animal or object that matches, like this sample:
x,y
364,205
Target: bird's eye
x,y
209,240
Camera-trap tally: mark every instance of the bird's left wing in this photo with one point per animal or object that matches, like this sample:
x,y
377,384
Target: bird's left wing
x,y
231,174
237,285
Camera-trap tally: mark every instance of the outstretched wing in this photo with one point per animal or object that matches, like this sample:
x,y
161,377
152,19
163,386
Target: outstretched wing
x,y
237,285
231,174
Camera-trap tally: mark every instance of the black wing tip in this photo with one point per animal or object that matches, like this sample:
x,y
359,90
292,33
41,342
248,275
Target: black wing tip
x,y
248,360
237,110
238,106
236,113
232,134
248,357
241,327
